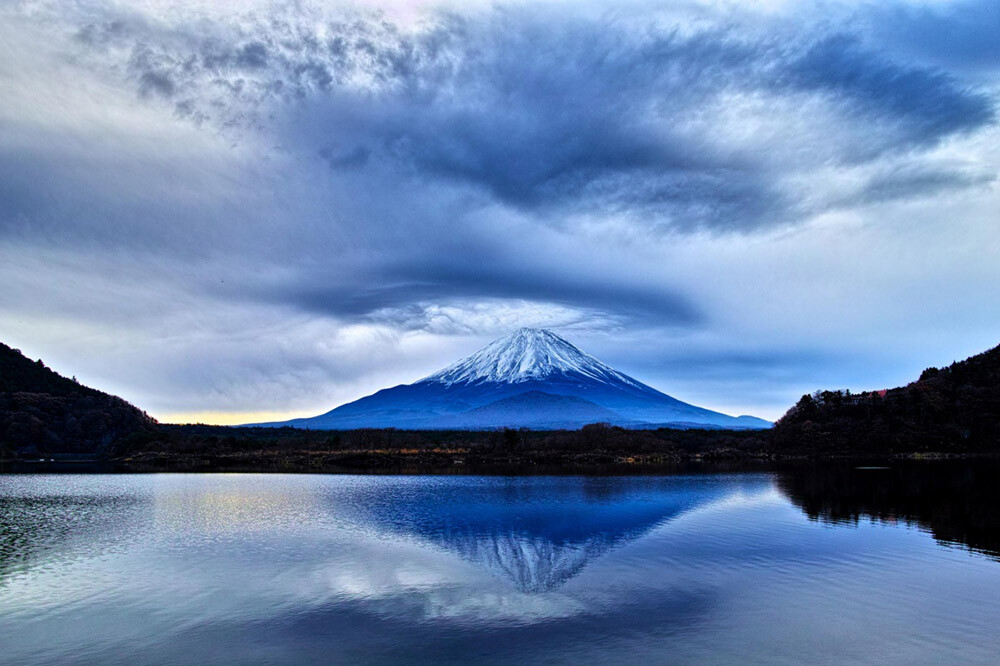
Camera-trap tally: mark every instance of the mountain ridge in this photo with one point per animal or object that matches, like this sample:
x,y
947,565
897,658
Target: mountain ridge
x,y
953,408
528,360
42,411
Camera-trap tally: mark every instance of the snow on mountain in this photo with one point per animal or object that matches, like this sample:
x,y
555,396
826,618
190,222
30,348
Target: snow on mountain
x,y
525,355
522,380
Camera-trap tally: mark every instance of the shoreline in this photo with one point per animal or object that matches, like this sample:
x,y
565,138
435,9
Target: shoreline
x,y
458,462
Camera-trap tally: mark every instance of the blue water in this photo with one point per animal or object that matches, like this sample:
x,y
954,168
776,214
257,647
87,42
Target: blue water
x,y
708,568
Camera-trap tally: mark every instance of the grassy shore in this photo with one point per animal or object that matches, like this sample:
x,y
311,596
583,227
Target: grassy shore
x,y
593,449
289,449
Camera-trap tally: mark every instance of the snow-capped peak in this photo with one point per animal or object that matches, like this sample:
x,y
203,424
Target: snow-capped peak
x,y
525,355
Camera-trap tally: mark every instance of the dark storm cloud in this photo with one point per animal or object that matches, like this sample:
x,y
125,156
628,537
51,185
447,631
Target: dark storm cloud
x,y
401,301
559,118
912,183
925,105
252,56
151,82
552,117
631,171
961,35
103,33
345,159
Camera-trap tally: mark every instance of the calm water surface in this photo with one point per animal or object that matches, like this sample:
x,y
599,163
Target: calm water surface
x,y
820,565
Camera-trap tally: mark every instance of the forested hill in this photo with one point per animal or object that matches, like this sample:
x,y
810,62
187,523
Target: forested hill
x,y
43,411
951,409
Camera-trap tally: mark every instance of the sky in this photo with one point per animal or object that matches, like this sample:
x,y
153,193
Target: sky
x,y
237,211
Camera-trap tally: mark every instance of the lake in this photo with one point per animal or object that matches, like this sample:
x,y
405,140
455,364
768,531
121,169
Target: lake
x,y
821,564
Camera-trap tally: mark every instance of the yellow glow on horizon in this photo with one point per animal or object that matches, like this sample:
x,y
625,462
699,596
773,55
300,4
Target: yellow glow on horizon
x,y
228,418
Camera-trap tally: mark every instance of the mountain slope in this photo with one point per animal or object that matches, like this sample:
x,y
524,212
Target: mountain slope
x,y
43,411
527,361
956,408
531,409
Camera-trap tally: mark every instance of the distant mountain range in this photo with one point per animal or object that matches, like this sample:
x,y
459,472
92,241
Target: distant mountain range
x,y
530,379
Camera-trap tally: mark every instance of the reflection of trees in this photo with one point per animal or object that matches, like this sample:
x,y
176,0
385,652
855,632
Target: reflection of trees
x,y
37,528
956,501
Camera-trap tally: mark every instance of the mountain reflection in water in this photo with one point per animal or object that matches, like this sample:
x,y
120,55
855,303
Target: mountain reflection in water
x,y
820,564
540,533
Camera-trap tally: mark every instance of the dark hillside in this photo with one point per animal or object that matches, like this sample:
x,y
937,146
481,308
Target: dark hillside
x,y
44,412
951,409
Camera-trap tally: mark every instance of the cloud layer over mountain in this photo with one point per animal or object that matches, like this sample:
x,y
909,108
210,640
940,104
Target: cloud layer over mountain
x,y
215,208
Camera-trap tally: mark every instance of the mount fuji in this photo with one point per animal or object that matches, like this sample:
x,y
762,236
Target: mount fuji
x,y
530,379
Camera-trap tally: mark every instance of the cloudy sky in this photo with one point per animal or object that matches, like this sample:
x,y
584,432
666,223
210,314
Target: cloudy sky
x,y
234,211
